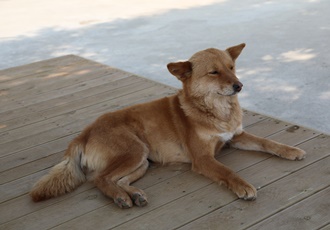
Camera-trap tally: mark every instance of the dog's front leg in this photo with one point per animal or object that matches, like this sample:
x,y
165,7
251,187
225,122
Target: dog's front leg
x,y
203,162
211,168
248,141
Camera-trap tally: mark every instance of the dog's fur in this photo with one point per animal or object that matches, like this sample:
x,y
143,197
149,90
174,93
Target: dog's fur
x,y
187,127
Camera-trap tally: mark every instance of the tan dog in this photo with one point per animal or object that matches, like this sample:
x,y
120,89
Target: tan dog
x,y
186,127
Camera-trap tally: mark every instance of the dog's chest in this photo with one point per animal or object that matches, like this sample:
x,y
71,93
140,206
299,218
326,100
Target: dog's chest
x,y
225,136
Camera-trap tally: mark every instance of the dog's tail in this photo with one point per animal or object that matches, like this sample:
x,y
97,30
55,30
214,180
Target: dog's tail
x,y
63,177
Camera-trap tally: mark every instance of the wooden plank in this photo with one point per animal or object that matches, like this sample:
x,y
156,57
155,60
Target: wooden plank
x,y
272,196
102,215
39,67
63,99
55,116
32,167
65,104
18,187
268,127
55,78
31,154
199,203
30,99
311,213
9,211
325,227
250,118
72,123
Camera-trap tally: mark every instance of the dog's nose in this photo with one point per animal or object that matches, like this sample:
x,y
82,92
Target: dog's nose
x,y
238,87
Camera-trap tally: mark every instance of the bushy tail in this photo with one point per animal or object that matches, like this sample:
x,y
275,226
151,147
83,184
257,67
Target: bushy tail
x,y
63,177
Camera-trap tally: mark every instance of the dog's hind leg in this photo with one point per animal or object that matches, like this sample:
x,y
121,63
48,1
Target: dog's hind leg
x,y
138,196
124,166
115,183
111,189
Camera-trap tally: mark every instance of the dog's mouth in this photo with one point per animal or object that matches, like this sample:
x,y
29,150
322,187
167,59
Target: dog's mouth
x,y
227,95
236,89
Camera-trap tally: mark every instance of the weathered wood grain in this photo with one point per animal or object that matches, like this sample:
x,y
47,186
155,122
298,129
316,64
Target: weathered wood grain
x,y
46,104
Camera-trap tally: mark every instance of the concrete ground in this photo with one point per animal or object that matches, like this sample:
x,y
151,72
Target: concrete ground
x,y
284,68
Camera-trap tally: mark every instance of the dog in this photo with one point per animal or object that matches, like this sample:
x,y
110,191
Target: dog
x,y
188,127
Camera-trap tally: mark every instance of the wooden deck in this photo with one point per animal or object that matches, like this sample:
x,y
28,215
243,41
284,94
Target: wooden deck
x,y
45,104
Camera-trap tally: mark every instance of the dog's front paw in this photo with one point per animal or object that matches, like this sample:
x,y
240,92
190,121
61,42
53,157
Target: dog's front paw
x,y
244,191
139,199
292,153
123,202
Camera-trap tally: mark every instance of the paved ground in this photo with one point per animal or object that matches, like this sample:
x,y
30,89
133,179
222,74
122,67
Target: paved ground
x,y
285,67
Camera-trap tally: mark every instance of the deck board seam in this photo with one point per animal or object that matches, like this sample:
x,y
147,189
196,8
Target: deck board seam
x,y
236,200
44,71
151,86
47,109
288,206
93,78
22,104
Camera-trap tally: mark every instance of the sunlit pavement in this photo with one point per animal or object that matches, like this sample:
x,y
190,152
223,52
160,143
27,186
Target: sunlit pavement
x,y
284,68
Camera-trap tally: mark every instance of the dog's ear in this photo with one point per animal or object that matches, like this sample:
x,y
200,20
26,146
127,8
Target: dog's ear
x,y
182,70
235,51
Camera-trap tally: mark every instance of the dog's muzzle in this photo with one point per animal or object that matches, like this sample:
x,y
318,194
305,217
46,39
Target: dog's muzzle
x,y
237,87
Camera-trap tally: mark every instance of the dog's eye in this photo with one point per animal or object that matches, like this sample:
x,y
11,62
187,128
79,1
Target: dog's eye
x,y
231,67
214,72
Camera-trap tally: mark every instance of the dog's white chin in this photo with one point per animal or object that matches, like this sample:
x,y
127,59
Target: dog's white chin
x,y
227,95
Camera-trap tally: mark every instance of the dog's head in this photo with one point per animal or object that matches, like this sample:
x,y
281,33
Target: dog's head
x,y
209,71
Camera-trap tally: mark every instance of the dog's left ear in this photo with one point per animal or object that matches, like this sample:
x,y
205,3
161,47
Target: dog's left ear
x,y
235,51
182,70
